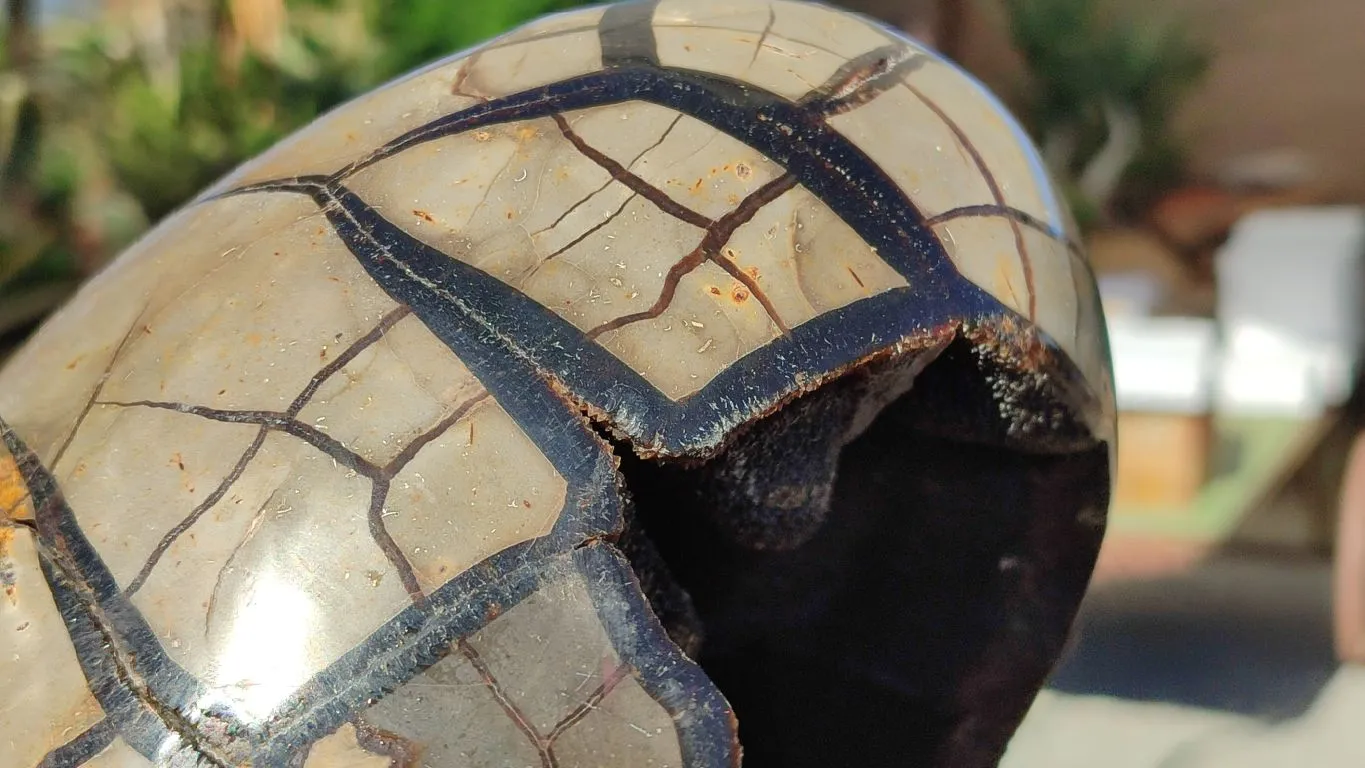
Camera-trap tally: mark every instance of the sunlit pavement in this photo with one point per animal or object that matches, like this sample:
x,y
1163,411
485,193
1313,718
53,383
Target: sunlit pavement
x,y
1228,665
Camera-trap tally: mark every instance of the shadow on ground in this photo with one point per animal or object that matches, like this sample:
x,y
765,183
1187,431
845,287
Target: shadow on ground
x,y
1251,638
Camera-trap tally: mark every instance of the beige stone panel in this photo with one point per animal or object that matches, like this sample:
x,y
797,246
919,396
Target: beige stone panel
x,y
567,227
132,474
787,48
774,63
550,49
544,659
542,177
739,46
829,29
557,626
917,150
253,332
450,716
534,213
505,186
985,251
170,280
992,133
46,702
118,755
47,383
628,727
714,15
275,582
481,486
1091,346
553,25
447,192
701,333
805,259
625,131
353,130
704,170
521,65
1055,286
391,393
342,750
617,270
791,68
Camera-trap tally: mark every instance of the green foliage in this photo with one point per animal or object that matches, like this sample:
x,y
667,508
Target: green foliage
x,y
428,29
105,136
163,150
1083,55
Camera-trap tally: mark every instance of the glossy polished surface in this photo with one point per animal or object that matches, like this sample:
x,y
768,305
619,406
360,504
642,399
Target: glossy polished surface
x,y
304,478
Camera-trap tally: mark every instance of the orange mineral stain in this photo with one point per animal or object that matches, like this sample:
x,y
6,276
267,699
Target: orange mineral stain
x,y
16,503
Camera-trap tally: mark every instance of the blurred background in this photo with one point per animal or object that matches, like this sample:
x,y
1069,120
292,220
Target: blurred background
x,y
1213,152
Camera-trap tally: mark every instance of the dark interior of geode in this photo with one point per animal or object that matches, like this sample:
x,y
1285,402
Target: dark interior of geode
x,y
914,624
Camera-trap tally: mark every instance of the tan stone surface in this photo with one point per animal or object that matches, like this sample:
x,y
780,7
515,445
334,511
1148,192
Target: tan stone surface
x,y
273,458
46,701
579,704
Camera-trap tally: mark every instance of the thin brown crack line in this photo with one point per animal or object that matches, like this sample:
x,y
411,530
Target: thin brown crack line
x,y
589,704
591,230
862,79
675,275
379,532
996,193
462,74
986,210
52,547
694,27
273,421
502,173
386,323
281,422
762,38
508,706
605,221
634,183
402,752
717,235
411,450
99,388
251,529
544,745
662,138
379,493
277,421
195,514
353,350
751,284
1023,217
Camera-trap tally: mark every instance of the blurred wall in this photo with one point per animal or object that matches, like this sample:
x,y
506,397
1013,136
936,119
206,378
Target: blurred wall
x,y
1287,75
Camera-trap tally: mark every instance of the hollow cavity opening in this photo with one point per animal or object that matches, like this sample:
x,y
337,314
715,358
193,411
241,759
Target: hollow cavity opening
x,y
912,623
